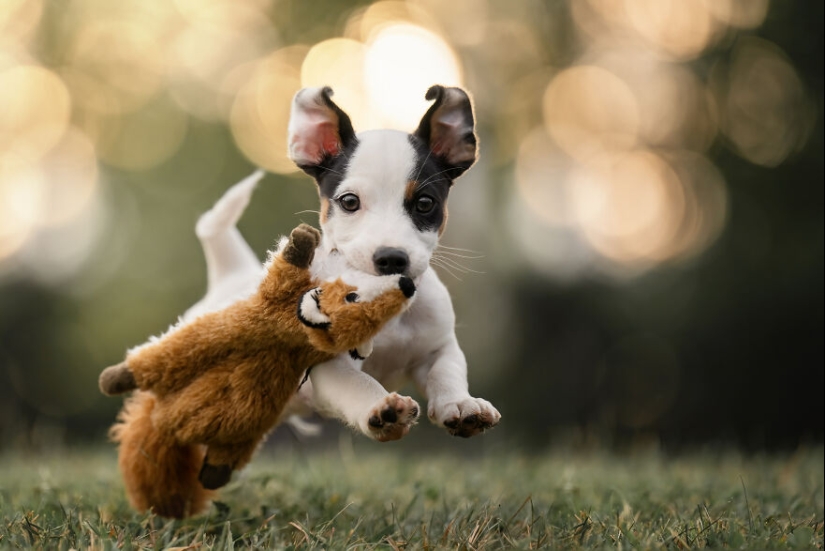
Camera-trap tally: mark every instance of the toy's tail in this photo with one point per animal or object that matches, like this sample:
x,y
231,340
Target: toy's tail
x,y
159,474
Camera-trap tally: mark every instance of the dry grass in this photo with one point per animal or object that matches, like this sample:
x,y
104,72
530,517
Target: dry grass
x,y
382,500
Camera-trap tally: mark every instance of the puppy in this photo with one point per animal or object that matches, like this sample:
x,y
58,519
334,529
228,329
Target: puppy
x,y
383,196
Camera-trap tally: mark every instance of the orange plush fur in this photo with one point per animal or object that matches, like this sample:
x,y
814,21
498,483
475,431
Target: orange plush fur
x,y
212,388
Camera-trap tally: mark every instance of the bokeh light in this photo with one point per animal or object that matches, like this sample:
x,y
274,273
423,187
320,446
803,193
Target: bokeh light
x,y
35,111
339,63
743,14
402,61
114,67
680,30
260,113
629,208
621,162
207,50
18,21
590,112
767,115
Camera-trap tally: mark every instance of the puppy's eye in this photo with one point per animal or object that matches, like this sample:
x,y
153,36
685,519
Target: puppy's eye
x,y
352,297
349,202
424,204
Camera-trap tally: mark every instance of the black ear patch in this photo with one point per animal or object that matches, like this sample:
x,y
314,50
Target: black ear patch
x,y
448,129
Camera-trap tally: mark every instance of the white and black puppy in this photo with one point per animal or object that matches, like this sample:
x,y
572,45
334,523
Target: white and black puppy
x,y
383,200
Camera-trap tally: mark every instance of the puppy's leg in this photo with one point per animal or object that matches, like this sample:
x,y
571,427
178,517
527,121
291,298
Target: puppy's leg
x,y
231,266
450,404
342,390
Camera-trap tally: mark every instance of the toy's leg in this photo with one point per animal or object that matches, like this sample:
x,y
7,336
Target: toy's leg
x,y
232,268
341,390
450,404
220,461
117,379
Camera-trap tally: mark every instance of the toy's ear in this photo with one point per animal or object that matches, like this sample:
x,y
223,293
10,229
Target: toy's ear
x,y
318,129
448,128
309,310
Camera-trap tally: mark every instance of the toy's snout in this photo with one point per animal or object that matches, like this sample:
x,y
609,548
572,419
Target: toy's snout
x,y
407,286
341,317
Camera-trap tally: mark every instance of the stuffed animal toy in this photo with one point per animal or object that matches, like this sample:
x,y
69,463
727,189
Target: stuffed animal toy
x,y
222,380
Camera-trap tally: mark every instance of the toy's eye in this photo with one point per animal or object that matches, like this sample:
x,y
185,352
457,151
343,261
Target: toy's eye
x,y
349,202
352,297
424,204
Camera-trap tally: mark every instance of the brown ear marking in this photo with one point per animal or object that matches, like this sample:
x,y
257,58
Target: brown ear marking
x,y
448,128
443,225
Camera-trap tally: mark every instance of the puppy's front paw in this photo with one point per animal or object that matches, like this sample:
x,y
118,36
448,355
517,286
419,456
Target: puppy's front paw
x,y
391,417
301,247
464,418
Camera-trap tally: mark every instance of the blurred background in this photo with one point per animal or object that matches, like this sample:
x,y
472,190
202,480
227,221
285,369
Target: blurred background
x,y
643,231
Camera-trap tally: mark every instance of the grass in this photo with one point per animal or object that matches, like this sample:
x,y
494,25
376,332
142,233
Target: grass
x,y
382,500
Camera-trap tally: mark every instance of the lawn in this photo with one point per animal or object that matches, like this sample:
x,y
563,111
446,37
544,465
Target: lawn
x,y
384,500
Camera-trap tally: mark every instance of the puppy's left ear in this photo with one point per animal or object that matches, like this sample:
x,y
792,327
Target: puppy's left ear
x,y
448,128
318,129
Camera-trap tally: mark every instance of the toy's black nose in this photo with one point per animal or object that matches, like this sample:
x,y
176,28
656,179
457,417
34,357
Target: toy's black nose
x,y
389,260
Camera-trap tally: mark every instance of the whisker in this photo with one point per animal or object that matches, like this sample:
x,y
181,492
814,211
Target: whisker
x,y
459,255
442,246
330,170
430,152
456,265
433,176
308,211
435,262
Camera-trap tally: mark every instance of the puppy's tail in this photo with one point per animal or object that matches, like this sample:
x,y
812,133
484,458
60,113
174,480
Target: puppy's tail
x,y
159,474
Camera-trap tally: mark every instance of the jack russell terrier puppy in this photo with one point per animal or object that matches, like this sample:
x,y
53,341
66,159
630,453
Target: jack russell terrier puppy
x,y
383,197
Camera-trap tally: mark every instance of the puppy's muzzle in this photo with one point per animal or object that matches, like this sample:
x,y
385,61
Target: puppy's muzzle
x,y
389,260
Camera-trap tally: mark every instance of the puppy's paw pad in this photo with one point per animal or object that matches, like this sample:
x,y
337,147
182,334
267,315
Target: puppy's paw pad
x,y
467,417
392,417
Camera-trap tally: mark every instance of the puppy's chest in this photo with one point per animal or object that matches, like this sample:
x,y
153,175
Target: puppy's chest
x,y
404,344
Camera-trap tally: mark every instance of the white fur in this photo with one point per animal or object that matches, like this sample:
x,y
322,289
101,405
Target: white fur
x,y
378,173
419,345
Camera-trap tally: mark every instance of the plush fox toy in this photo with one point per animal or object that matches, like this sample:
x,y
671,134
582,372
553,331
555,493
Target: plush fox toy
x,y
222,380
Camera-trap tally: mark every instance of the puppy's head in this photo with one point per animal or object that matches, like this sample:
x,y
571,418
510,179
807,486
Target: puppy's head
x,y
383,192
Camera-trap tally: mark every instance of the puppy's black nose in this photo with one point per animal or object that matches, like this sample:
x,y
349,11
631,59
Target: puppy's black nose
x,y
389,260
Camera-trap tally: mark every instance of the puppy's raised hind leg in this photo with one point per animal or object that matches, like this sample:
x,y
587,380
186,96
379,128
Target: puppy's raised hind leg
x,y
225,249
232,268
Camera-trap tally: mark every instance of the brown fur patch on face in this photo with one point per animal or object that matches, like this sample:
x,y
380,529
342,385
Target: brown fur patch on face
x,y
443,225
409,192
324,210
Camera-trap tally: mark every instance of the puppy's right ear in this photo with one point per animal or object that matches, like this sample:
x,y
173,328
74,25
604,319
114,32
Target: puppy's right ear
x,y
318,129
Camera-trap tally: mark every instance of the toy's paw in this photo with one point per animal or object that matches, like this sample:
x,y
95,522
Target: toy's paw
x,y
117,379
464,418
392,417
213,477
301,247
